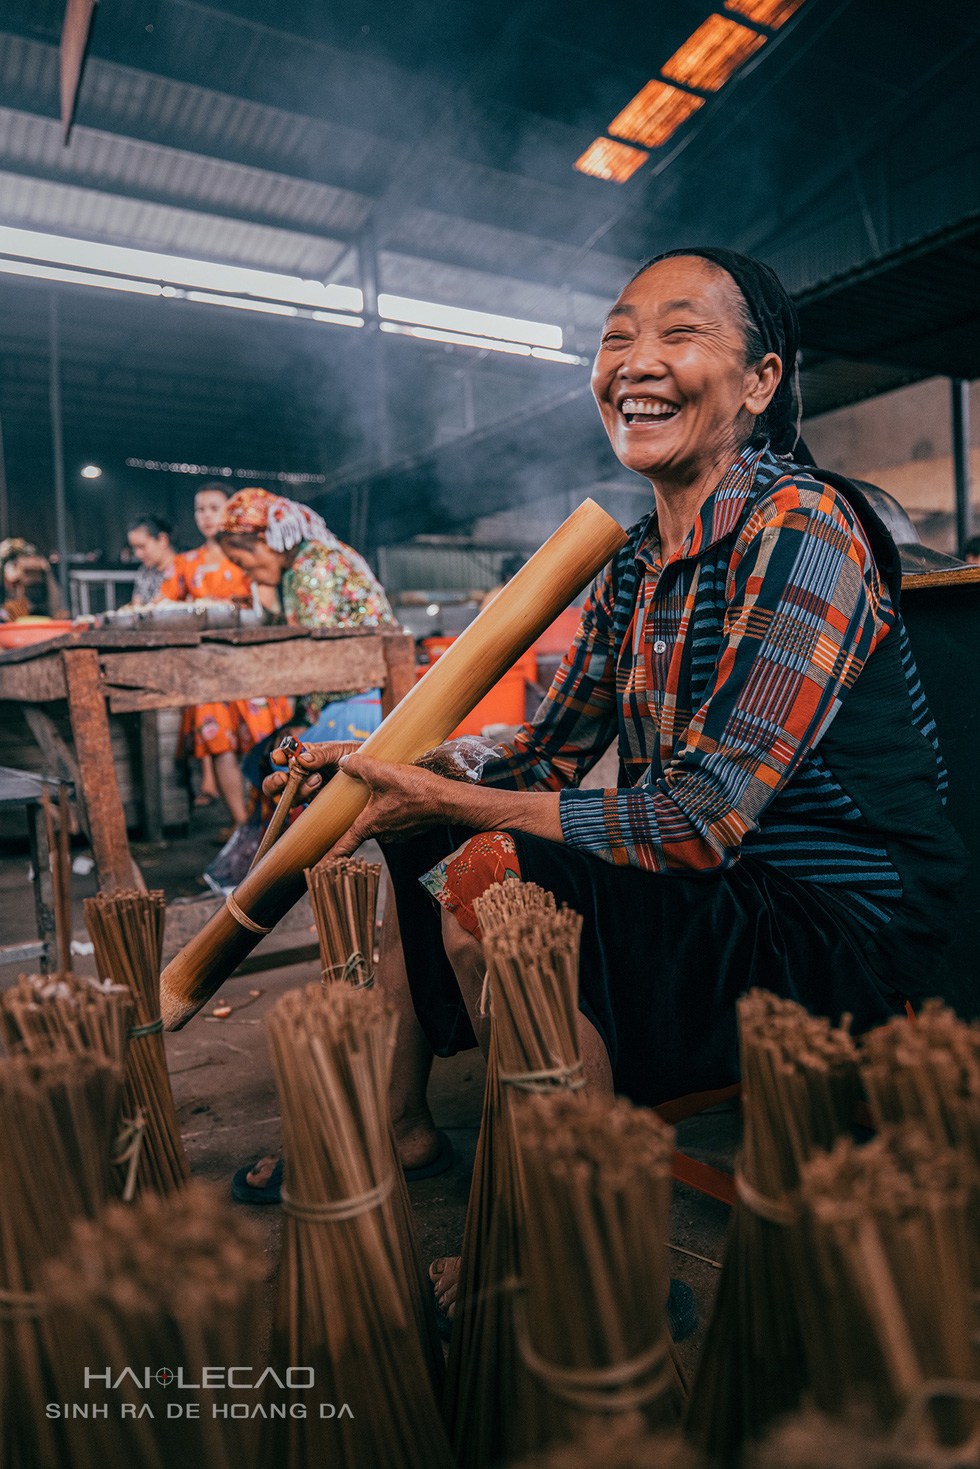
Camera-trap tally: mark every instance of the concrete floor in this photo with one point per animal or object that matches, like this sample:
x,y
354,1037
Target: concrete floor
x,y
226,1097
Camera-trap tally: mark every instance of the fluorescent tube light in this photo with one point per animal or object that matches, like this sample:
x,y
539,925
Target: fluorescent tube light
x,y
716,50
78,277
207,298
474,323
771,13
614,162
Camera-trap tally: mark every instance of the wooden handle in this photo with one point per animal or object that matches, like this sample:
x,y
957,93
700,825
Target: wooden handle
x,y
277,820
454,685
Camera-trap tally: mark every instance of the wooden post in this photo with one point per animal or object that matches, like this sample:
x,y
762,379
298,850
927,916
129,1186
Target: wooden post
x,y
400,665
37,836
93,747
150,776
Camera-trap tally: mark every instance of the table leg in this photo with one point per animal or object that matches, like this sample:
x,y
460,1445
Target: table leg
x,y
400,664
150,774
93,747
37,837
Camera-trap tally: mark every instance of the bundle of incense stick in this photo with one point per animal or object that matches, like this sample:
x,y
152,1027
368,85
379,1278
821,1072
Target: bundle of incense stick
x,y
592,1316
58,1117
344,894
928,1071
800,1085
351,1301
889,1231
617,1445
45,1012
156,1299
814,1440
532,975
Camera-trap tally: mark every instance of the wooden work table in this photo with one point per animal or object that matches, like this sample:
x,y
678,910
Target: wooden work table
x,y
141,671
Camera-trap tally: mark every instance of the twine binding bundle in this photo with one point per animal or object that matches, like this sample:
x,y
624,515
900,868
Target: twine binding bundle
x,y
58,1116
889,1230
351,1301
344,895
127,931
592,1313
800,1085
172,1284
44,1012
532,977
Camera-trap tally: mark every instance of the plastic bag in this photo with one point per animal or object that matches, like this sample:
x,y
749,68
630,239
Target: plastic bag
x,y
464,758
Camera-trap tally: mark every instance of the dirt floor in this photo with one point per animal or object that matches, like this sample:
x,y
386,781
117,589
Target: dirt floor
x,y
226,1097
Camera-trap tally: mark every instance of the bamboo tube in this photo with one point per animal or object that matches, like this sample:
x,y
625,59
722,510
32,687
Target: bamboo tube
x,y
127,931
350,1302
890,1277
165,1283
593,1330
344,896
455,683
532,975
799,1088
58,1116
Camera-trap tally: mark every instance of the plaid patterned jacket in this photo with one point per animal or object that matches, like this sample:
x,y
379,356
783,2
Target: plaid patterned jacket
x,y
721,673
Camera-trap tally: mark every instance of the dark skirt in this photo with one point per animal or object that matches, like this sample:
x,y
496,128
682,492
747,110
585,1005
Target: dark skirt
x,y
664,958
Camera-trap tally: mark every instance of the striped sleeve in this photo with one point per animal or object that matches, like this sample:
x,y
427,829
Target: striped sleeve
x,y
806,609
577,718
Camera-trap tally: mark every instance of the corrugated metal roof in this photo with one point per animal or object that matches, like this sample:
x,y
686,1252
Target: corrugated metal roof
x,y
115,219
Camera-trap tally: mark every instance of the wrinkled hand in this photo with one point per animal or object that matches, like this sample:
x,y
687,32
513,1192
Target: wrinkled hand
x,y
405,800
325,757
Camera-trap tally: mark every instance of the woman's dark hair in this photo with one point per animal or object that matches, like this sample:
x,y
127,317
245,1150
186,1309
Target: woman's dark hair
x,y
769,324
154,525
239,538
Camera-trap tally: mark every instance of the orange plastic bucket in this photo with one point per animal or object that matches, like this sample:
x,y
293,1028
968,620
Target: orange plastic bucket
x,y
505,702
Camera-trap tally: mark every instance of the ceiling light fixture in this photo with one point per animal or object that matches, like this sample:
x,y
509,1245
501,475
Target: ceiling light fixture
x,y
605,159
771,13
176,270
716,50
473,323
483,344
91,471
654,114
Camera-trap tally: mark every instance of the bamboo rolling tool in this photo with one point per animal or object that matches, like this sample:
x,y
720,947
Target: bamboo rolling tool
x,y
454,684
287,800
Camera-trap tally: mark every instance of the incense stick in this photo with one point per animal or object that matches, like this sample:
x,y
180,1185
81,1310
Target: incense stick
x,y
58,1115
127,931
44,1012
350,1298
814,1440
532,975
592,1314
799,1088
173,1284
344,895
891,1276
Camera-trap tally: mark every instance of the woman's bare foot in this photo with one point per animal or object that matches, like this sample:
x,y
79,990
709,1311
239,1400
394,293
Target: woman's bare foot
x,y
260,1174
444,1274
416,1138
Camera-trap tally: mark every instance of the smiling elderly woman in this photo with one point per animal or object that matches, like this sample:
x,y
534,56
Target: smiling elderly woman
x,y
779,818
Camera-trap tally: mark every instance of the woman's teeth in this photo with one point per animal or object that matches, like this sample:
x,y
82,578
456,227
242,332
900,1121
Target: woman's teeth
x,y
647,410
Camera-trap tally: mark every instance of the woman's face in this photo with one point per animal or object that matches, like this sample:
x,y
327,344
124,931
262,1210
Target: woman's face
x,y
256,558
670,376
209,507
153,551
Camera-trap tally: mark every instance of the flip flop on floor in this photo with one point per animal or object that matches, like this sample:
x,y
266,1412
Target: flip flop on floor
x,y
442,1162
269,1192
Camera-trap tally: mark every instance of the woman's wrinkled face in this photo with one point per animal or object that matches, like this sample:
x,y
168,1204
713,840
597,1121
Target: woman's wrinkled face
x,y
255,557
152,551
670,376
209,508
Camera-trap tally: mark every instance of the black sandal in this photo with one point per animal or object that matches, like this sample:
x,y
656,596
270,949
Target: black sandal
x,y
269,1192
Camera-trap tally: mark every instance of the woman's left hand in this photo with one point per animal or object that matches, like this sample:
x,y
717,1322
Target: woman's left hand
x,y
405,800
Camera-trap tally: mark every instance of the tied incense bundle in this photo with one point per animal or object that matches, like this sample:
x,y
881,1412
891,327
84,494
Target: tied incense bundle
x,y
889,1232
351,1302
127,931
44,1012
532,976
58,1116
344,895
617,1446
928,1071
800,1085
167,1283
593,1323
814,1440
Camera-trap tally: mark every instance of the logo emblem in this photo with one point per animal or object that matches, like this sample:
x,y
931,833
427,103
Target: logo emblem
x,y
164,1377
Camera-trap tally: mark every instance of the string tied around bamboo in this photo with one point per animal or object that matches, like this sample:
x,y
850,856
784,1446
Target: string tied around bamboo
x,y
127,1151
241,917
353,965
332,1211
617,1388
546,1079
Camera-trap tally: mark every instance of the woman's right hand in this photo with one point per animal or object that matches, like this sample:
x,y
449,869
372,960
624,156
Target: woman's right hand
x,y
325,757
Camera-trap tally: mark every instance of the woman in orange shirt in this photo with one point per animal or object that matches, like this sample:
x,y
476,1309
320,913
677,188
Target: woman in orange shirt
x,y
221,731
